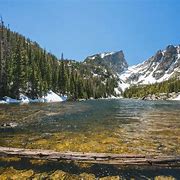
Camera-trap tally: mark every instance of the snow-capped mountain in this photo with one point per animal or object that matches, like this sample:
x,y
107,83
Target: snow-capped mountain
x,y
164,65
160,67
113,60
102,55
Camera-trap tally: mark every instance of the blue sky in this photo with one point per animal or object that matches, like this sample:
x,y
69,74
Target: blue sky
x,y
79,28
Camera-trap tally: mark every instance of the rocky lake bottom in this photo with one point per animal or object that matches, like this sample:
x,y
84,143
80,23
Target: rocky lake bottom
x,y
105,126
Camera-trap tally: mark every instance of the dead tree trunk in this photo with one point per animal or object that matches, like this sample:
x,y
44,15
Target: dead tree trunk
x,y
96,158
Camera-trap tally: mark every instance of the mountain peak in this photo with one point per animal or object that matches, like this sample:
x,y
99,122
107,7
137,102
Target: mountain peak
x,y
160,67
115,60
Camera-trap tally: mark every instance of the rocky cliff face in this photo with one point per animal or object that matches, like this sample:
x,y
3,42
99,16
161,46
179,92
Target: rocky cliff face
x,y
112,60
164,65
160,67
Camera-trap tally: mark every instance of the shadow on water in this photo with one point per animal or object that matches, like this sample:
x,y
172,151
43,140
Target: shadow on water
x,y
99,170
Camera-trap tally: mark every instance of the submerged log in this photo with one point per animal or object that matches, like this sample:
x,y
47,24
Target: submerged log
x,y
100,158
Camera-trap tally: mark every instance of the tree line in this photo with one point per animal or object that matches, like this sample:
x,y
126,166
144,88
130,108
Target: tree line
x,y
27,68
172,85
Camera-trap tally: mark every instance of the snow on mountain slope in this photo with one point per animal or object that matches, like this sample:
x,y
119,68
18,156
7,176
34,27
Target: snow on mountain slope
x,y
160,67
102,55
112,60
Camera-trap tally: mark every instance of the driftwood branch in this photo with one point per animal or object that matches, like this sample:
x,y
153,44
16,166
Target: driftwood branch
x,y
100,158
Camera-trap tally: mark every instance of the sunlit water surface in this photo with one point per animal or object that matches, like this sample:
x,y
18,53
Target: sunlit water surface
x,y
113,126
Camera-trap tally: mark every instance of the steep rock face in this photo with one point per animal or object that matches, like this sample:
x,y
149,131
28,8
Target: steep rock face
x,y
112,60
164,65
160,67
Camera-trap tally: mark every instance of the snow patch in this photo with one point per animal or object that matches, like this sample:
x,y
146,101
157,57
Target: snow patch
x,y
102,55
50,97
93,57
123,85
178,56
177,98
106,54
3,102
117,91
53,97
10,100
24,99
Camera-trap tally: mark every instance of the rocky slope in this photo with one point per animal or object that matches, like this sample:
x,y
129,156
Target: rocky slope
x,y
28,69
162,96
160,67
164,65
112,60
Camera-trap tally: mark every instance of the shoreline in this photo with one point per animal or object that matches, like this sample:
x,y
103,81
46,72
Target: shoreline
x,y
52,97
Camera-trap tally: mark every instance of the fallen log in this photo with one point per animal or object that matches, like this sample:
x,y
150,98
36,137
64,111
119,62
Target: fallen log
x,y
95,158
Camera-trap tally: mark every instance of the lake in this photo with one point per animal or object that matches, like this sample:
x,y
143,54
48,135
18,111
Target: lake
x,y
110,126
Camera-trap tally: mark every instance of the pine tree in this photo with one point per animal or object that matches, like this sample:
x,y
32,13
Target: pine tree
x,y
3,60
27,68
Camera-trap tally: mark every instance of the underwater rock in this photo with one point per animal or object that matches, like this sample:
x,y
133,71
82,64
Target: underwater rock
x,y
40,176
110,178
85,176
63,176
9,125
46,135
11,173
164,178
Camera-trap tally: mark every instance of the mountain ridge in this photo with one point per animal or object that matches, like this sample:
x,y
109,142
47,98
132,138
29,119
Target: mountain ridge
x,y
162,66
113,60
26,68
